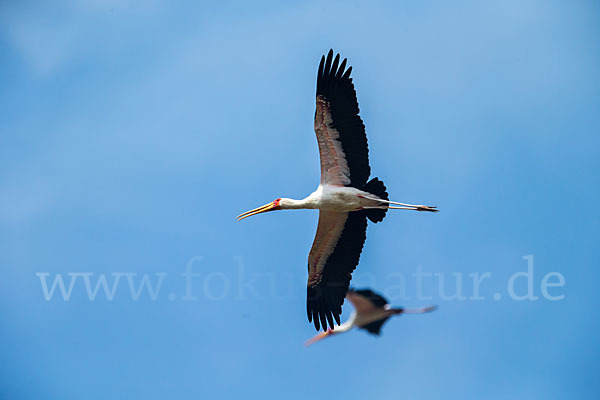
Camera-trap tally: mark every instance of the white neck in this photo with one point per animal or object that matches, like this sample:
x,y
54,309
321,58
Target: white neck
x,y
291,204
346,326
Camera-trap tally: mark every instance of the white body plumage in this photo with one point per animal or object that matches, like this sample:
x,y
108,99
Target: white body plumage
x,y
335,198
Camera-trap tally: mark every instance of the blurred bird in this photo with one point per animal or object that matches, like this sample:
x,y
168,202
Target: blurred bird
x,y
345,197
371,311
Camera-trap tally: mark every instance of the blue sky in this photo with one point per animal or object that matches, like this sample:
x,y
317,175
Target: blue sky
x,y
133,133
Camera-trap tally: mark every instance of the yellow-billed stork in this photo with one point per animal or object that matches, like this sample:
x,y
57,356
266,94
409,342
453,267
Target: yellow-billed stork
x,y
371,311
345,197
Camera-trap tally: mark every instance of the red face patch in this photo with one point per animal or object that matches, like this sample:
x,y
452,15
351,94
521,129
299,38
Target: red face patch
x,y
276,202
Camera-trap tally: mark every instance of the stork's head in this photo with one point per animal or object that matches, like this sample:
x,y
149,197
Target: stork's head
x,y
320,336
272,206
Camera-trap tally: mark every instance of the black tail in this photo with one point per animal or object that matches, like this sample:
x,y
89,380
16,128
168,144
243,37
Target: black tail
x,y
376,187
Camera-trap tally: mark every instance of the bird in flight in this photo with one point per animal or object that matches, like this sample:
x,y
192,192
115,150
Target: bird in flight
x,y
345,197
371,311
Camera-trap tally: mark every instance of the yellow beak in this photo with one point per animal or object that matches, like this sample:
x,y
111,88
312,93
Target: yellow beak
x,y
318,337
267,207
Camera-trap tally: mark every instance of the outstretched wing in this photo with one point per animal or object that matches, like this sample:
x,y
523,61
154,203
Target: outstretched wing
x,y
333,257
341,136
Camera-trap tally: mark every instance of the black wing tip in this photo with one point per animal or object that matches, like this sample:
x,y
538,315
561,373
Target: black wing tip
x,y
331,70
347,74
320,310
